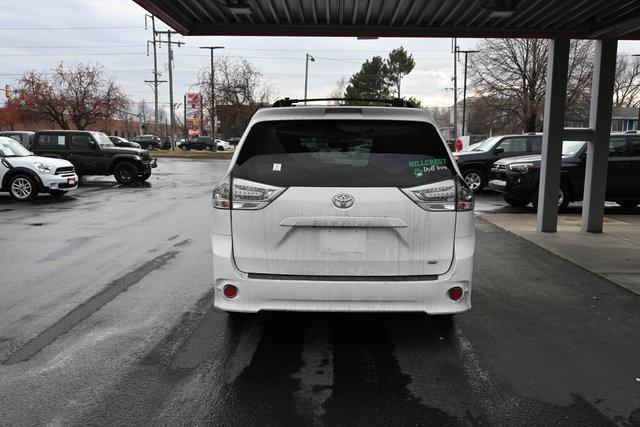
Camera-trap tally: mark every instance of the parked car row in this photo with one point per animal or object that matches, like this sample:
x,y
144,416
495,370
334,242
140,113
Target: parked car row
x,y
58,158
204,143
510,164
151,142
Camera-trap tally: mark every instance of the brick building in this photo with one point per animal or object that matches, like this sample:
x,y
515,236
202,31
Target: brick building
x,y
117,127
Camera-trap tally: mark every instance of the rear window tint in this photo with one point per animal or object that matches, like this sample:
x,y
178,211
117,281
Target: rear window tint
x,y
343,153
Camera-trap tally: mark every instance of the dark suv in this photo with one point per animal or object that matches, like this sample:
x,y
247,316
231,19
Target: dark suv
x,y
518,177
199,143
150,142
475,162
93,153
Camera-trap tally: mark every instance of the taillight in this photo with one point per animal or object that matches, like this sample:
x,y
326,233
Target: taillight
x,y
450,195
464,200
440,196
459,145
243,194
222,194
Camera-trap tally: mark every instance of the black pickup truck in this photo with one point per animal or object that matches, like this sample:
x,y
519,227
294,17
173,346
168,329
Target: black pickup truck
x,y
475,162
518,178
93,153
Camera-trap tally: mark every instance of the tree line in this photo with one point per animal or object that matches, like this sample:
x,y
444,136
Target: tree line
x,y
506,88
507,83
80,95
508,79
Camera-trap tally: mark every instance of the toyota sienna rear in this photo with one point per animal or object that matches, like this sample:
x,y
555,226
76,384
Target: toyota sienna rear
x,y
343,209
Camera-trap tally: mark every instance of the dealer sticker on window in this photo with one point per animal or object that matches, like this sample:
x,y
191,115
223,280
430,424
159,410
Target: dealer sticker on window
x,y
420,167
277,167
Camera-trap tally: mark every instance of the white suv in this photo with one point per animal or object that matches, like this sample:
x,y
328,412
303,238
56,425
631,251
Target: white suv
x,y
24,175
343,209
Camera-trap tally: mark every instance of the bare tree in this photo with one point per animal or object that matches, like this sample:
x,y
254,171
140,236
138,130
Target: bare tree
x,y
145,112
239,86
338,91
511,75
626,89
12,113
441,115
79,95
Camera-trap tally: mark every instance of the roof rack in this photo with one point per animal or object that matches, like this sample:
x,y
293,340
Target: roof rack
x,y
394,102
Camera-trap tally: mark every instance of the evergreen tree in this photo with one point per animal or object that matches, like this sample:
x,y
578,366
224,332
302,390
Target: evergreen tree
x,y
381,78
371,81
399,64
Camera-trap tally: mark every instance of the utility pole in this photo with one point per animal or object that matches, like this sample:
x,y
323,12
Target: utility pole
x,y
170,44
464,91
155,80
186,129
201,115
455,88
213,92
306,74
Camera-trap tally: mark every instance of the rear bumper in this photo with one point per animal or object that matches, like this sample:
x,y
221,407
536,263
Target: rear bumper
x,y
429,296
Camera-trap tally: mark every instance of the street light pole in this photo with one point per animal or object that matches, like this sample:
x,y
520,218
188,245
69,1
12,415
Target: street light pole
x,y
306,74
213,97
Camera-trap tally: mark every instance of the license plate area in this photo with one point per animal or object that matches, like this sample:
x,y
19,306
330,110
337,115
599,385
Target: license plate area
x,y
342,240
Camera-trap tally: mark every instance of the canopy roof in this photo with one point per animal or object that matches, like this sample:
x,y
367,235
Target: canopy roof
x,y
402,18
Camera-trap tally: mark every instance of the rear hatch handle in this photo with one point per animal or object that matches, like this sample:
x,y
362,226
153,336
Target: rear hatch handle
x,y
343,221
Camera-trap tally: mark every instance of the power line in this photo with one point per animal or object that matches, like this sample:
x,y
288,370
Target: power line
x,y
72,28
108,46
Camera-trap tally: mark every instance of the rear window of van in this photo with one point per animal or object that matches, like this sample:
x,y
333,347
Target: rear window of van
x,y
343,153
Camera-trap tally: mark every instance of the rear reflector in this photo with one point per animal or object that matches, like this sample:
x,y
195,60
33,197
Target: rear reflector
x,y
229,291
455,293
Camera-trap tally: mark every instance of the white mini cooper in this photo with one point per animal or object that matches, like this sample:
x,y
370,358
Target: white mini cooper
x,y
24,175
343,208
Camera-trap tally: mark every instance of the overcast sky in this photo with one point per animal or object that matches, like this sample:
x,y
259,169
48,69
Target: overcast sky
x,y
38,34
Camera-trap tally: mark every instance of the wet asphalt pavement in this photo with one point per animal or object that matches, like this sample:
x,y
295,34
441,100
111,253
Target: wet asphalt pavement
x,y
106,317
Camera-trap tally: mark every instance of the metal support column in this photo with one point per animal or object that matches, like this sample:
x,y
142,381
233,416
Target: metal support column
x,y
553,131
595,180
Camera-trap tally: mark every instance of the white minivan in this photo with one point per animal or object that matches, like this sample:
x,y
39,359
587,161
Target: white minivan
x,y
343,208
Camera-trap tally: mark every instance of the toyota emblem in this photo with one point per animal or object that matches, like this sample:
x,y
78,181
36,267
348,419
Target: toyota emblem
x,y
343,200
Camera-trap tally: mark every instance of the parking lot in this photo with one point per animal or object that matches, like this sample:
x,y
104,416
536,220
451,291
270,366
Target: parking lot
x,y
106,316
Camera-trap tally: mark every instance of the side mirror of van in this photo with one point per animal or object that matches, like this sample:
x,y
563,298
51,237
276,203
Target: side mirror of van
x,y
93,144
498,150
